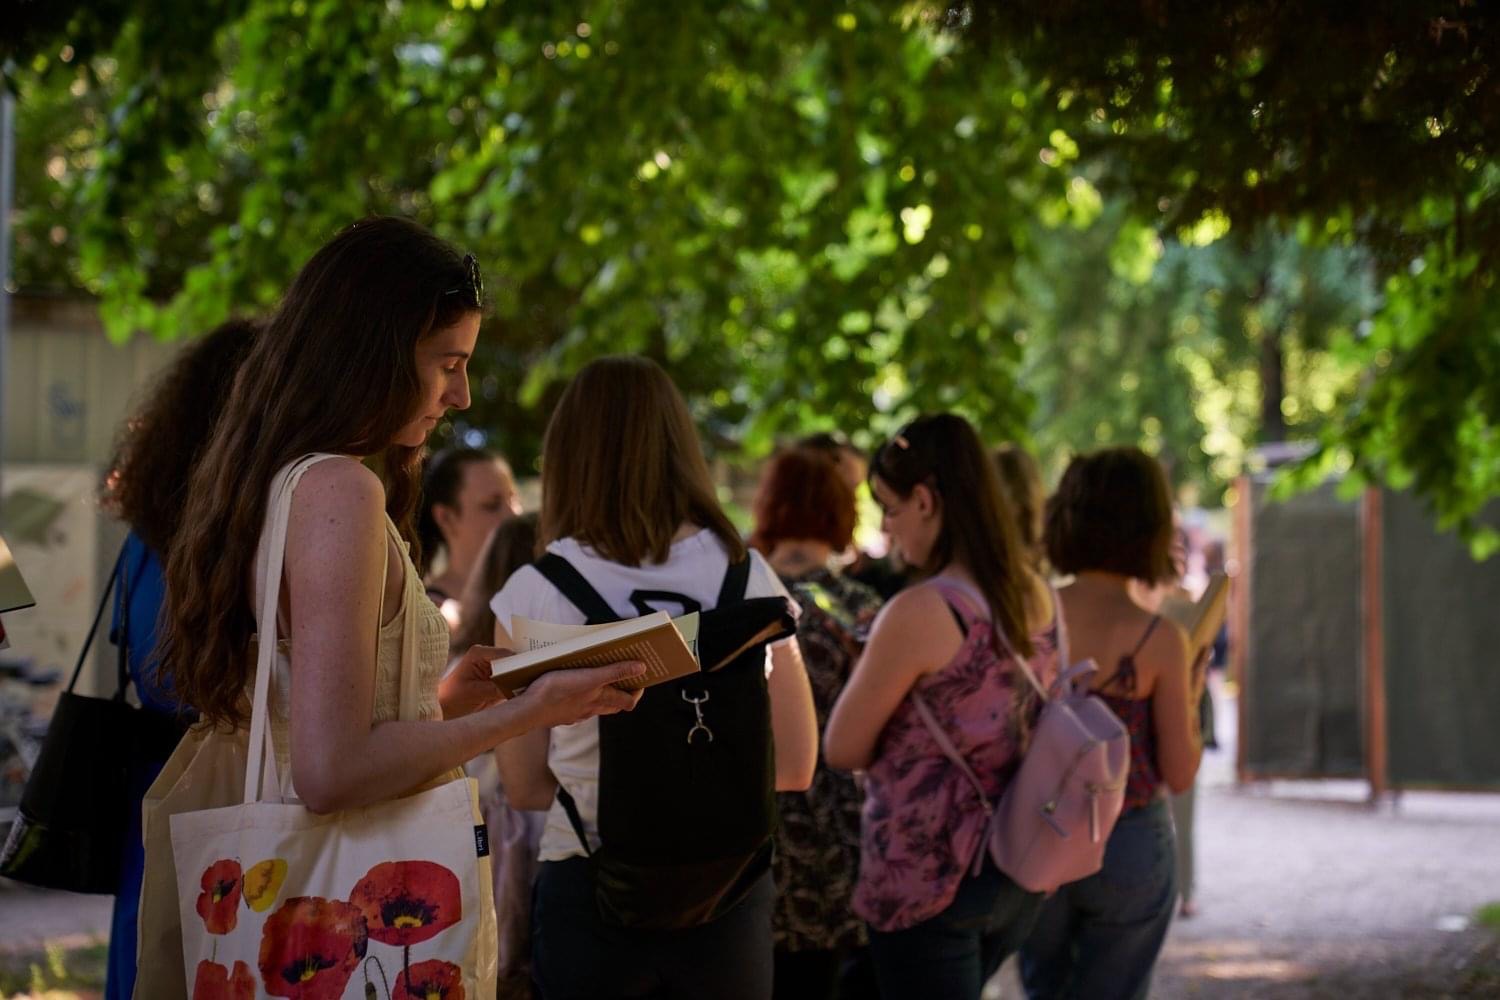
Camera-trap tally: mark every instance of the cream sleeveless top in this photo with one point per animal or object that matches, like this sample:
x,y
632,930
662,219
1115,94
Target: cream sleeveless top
x,y
417,634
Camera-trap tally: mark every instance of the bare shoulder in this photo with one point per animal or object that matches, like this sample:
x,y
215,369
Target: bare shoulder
x,y
338,507
1167,648
910,637
911,607
339,486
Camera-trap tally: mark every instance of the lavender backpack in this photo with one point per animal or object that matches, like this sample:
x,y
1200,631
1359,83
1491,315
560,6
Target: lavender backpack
x,y
1054,819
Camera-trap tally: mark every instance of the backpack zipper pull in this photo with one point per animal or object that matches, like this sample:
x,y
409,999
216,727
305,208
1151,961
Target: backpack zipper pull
x,y
697,704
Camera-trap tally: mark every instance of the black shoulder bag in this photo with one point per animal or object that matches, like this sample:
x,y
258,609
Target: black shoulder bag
x,y
75,810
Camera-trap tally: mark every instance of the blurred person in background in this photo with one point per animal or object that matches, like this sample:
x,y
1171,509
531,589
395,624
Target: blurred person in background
x,y
146,489
466,494
883,574
1184,804
515,834
1021,478
804,518
853,465
1110,523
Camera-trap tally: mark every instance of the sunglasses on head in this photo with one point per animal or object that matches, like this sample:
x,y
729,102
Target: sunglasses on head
x,y
474,283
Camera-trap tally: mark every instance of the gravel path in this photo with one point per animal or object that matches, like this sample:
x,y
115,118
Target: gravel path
x,y
1306,891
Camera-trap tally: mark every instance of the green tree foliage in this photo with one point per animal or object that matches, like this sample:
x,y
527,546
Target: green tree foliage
x,y
814,224
829,215
1374,122
1135,340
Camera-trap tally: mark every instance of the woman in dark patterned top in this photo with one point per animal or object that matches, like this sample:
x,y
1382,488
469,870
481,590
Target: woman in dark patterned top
x,y
804,516
1109,523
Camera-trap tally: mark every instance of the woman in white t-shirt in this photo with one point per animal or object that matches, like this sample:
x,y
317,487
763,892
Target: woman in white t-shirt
x,y
628,503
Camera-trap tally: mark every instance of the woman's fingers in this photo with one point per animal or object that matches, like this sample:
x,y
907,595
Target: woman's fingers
x,y
614,673
612,699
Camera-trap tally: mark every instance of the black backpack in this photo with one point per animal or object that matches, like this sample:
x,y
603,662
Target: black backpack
x,y
687,800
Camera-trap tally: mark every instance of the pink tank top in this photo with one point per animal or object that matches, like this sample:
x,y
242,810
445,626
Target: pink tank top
x,y
923,821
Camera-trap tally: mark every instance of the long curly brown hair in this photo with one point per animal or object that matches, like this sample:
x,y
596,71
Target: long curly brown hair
x,y
146,486
334,370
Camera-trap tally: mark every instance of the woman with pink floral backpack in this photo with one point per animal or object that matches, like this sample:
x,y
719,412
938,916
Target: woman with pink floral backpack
x,y
942,917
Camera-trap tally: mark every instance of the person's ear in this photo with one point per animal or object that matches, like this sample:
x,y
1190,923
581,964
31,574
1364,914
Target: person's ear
x,y
446,517
925,500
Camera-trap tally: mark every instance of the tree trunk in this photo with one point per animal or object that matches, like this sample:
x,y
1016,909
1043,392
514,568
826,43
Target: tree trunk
x,y
1272,387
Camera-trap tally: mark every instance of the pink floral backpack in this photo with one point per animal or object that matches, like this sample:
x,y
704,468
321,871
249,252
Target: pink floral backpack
x,y
1053,820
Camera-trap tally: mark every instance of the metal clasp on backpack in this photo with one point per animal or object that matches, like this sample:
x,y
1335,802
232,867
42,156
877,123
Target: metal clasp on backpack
x,y
697,704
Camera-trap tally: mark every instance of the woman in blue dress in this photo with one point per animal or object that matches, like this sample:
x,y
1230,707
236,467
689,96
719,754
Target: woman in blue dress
x,y
146,489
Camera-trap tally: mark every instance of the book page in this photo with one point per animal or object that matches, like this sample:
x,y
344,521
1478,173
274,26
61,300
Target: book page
x,y
529,635
1201,619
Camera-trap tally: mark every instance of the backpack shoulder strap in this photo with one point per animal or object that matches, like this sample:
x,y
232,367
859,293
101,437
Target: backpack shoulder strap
x,y
960,604
565,577
945,744
574,819
736,579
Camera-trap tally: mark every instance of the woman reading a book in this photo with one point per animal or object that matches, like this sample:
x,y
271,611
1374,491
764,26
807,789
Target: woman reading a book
x,y
631,526
939,926
364,357
1110,523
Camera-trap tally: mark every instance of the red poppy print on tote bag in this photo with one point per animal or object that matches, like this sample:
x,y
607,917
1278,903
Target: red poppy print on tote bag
x,y
214,982
310,947
407,902
220,898
431,980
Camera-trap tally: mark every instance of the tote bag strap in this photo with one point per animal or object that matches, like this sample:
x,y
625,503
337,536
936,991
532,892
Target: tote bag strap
x,y
260,761
411,679
88,640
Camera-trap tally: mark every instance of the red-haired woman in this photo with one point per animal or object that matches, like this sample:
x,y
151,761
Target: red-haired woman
x,y
804,519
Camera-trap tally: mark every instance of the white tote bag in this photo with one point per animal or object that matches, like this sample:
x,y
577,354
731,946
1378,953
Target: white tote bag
x,y
392,901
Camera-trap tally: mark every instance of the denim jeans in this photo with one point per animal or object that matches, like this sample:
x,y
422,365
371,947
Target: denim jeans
x,y
1098,938
950,956
577,956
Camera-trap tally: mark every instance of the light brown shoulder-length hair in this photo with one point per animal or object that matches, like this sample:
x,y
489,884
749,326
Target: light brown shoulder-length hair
x,y
333,370
622,468
979,532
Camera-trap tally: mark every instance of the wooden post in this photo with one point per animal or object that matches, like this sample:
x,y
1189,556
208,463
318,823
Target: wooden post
x,y
1239,614
1372,627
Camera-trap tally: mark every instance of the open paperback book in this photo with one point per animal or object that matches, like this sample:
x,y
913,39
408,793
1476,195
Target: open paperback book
x,y
1202,618
666,646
